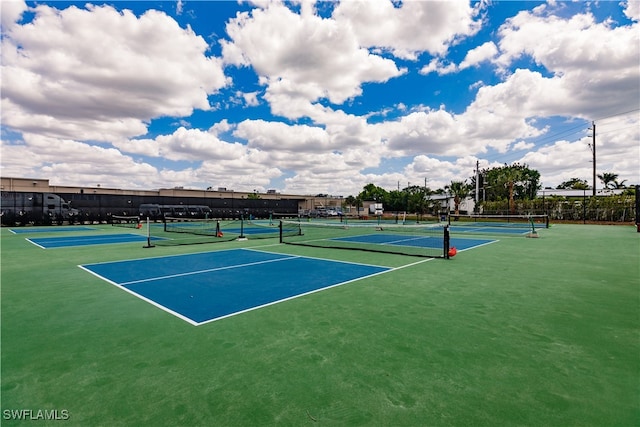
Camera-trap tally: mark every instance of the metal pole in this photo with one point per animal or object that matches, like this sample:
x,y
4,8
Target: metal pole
x,y
477,182
593,124
584,206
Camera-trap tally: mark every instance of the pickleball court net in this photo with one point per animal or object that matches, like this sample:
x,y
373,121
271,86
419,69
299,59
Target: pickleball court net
x,y
126,221
187,231
422,240
515,221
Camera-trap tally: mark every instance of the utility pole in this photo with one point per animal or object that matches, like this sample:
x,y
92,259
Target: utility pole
x,y
593,151
477,182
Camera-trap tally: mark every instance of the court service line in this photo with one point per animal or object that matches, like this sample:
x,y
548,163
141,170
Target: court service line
x,y
395,242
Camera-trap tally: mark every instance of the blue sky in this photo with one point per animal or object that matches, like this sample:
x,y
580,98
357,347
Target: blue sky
x,y
316,97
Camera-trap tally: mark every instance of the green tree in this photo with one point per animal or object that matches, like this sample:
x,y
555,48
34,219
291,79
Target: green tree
x,y
610,180
607,179
417,199
459,190
350,201
373,193
574,184
396,201
511,182
619,184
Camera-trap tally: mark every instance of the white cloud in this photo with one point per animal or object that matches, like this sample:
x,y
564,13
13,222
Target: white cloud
x,y
523,145
10,13
281,137
632,10
566,45
97,74
409,28
69,162
250,98
440,173
439,66
302,57
482,53
100,74
185,144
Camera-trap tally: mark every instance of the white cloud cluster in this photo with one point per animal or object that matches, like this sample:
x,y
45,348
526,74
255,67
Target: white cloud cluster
x,y
409,28
11,12
101,74
302,56
78,81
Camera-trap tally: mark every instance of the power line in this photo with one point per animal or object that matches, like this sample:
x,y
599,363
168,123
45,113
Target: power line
x,y
564,133
618,114
600,132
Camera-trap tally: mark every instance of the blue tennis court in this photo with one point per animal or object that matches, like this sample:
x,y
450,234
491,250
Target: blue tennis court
x,y
71,241
412,240
29,230
208,286
392,239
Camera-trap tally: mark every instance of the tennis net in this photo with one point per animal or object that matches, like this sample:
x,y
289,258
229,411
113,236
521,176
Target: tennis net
x,y
126,221
430,241
197,231
517,221
205,227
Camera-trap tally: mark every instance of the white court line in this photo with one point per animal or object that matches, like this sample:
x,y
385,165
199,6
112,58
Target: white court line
x,y
150,301
34,243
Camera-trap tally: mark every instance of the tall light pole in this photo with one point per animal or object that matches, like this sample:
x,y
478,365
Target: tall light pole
x,y
593,151
477,185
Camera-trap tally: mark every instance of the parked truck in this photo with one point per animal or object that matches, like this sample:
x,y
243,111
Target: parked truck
x,y
17,208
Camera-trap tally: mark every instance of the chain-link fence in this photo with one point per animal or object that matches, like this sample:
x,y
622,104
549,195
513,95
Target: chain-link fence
x,y
608,209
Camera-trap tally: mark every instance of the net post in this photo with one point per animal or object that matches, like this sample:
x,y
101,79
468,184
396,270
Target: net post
x,y
149,245
280,227
637,208
533,232
446,241
242,236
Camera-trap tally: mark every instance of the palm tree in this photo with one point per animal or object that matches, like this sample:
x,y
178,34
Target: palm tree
x,y
620,184
350,201
574,184
459,190
511,176
608,179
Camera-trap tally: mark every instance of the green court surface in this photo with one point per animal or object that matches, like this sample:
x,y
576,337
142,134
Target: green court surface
x,y
521,332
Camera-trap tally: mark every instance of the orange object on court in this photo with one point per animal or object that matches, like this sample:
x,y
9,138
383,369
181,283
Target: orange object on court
x,y
452,252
